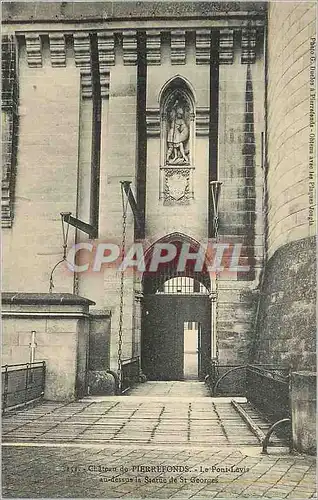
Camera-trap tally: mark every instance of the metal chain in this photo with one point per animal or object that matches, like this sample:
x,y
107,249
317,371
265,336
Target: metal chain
x,y
216,228
65,238
121,304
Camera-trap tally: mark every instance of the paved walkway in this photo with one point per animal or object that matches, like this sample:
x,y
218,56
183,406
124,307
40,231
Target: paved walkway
x,y
176,389
141,471
131,420
165,440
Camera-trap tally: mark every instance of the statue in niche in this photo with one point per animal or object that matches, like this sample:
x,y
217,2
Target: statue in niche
x,y
178,135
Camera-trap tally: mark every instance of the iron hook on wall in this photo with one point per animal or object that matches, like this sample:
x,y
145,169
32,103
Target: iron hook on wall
x,y
65,230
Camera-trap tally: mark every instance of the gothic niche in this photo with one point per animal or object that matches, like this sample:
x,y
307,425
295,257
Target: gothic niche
x,y
177,134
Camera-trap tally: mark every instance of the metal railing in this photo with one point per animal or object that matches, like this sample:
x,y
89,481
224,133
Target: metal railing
x,y
236,380
22,383
226,380
130,369
268,390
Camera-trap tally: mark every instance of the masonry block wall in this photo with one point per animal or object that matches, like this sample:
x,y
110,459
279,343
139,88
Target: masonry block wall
x,y
61,326
289,122
241,129
10,122
118,163
287,319
46,170
286,326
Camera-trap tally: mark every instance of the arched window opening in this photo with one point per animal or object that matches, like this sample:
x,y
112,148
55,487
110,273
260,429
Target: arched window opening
x,y
182,285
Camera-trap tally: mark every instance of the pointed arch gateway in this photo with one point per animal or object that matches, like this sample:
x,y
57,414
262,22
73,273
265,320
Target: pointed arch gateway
x,y
176,313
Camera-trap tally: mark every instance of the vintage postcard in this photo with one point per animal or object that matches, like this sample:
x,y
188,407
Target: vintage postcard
x,y
159,249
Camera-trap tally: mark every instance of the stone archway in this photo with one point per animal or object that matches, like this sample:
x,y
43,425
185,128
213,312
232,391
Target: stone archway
x,y
173,299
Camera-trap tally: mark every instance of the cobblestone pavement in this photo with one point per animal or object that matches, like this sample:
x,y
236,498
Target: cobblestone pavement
x,y
138,472
167,440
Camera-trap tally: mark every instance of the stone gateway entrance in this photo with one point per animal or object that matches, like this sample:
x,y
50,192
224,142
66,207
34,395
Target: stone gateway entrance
x,y
176,317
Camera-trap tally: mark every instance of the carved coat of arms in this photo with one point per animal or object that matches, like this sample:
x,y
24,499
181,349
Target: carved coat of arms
x,y
177,184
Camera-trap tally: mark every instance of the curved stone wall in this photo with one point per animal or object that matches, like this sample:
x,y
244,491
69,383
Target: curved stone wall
x,y
286,323
287,316
290,28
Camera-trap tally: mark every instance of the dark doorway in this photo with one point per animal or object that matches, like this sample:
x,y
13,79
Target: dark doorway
x,y
169,351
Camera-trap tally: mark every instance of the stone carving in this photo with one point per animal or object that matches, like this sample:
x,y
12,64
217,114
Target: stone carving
x,y
178,134
226,46
57,50
33,50
202,121
248,55
82,51
177,129
202,46
178,45
153,47
153,122
130,47
106,49
177,185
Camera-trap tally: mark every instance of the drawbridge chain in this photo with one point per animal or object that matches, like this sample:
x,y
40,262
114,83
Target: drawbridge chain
x,y
216,186
217,272
122,276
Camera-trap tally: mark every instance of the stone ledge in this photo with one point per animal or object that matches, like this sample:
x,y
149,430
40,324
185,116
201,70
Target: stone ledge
x,y
305,373
82,11
44,298
100,313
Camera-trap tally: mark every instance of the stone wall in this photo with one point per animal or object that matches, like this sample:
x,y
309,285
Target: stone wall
x,y
290,27
99,340
241,125
286,330
287,318
46,173
61,325
304,411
